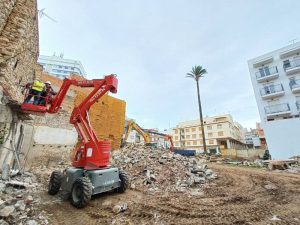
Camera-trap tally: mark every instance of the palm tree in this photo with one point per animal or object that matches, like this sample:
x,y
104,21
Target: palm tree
x,y
196,73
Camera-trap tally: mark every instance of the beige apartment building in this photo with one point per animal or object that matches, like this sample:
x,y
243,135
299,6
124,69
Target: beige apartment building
x,y
221,132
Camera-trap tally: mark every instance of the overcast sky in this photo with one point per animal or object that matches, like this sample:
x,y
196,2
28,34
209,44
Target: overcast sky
x,y
151,45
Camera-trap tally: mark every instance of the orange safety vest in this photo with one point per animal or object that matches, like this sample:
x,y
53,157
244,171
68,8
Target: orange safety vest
x,y
37,86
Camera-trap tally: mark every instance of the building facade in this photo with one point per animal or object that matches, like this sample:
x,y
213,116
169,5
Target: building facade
x,y
221,132
261,136
275,78
255,138
61,67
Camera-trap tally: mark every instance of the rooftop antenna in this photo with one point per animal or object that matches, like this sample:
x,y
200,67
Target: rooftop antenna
x,y
41,14
293,40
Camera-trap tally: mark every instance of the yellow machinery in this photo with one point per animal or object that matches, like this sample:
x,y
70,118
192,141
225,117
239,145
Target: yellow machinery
x,y
132,125
145,134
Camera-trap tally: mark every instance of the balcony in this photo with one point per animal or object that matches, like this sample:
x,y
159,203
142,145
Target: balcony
x,y
292,66
272,91
278,110
266,74
295,86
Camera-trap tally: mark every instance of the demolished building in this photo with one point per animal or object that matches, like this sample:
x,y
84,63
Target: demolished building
x,y
25,137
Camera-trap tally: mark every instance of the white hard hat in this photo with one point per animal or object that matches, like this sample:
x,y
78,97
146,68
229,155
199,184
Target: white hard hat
x,y
48,82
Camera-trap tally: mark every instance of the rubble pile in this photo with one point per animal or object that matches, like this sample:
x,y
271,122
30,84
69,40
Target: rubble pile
x,y
18,198
255,163
154,170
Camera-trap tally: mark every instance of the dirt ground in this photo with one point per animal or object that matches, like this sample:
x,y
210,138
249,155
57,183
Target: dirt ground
x,y
238,196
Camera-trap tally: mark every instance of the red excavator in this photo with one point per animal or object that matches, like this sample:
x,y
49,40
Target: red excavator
x,y
90,173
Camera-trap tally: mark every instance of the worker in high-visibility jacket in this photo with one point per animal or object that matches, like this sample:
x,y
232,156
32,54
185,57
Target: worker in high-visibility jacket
x,y
47,94
35,91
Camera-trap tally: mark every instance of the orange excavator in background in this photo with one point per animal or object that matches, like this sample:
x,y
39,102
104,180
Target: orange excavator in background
x,y
167,137
90,173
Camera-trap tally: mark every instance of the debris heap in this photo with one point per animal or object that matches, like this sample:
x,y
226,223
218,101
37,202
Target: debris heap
x,y
154,170
18,198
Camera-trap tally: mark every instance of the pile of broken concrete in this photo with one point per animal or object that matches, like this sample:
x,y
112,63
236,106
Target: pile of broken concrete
x,y
18,199
154,170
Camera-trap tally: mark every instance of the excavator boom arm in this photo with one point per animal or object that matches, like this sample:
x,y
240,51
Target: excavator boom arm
x,y
132,125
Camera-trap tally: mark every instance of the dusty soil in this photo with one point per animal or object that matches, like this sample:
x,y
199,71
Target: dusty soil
x,y
238,196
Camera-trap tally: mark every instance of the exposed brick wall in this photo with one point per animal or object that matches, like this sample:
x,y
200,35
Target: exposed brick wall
x,y
18,45
107,117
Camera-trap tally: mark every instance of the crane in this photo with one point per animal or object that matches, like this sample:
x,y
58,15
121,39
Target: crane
x,y
90,173
145,134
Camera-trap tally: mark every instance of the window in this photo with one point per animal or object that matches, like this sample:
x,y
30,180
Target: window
x,y
286,64
193,129
176,138
66,67
220,133
219,126
187,136
199,128
59,66
194,142
211,142
210,134
209,127
194,136
187,130
176,131
72,68
187,143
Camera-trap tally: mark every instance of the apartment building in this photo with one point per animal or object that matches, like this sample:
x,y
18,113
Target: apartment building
x,y
275,78
221,132
255,138
60,67
251,138
261,136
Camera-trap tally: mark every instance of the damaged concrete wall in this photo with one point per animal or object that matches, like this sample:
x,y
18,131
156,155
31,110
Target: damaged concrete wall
x,y
15,136
243,153
18,55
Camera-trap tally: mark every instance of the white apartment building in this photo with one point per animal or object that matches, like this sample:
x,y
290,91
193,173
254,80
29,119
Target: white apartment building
x,y
61,67
221,132
275,78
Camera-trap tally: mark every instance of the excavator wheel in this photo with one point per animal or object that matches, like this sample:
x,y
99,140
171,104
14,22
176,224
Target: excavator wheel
x,y
124,181
55,182
81,192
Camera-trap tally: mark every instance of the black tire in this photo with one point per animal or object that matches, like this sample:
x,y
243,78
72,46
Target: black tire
x,y
55,182
124,182
81,192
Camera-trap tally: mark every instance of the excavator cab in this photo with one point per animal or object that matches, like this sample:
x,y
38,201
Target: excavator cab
x,y
34,104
